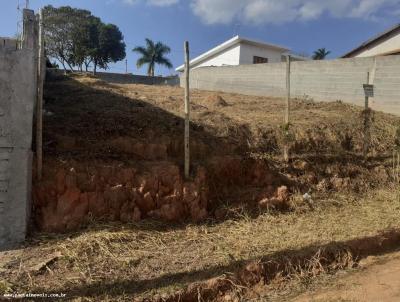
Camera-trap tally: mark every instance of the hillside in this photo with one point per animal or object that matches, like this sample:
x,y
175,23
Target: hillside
x,y
115,220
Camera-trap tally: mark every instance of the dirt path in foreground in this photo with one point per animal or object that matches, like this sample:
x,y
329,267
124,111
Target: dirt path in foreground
x,y
377,281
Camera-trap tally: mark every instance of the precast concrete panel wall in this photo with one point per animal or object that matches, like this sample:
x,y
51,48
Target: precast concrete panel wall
x,y
329,80
120,78
17,98
260,79
123,78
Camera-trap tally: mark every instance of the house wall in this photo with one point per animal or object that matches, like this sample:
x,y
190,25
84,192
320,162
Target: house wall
x,y
230,56
385,47
247,52
331,80
240,54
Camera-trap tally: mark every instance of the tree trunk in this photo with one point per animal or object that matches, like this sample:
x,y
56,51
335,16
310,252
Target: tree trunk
x,y
70,67
152,71
87,63
65,69
94,68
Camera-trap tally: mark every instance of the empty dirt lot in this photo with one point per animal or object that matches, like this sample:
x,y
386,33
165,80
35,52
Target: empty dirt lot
x,y
115,220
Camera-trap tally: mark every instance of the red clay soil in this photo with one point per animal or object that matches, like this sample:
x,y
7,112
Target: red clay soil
x,y
72,192
113,152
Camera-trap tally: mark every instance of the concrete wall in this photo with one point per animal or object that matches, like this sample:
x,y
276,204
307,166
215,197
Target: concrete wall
x,y
8,43
17,98
331,80
121,78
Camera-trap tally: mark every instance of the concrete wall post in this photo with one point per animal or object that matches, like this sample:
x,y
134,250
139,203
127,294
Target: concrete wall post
x,y
17,99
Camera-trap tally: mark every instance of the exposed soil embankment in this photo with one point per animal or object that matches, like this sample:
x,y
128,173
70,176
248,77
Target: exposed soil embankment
x,y
72,192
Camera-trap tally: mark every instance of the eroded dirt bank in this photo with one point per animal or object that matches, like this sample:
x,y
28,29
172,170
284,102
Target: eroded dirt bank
x,y
73,192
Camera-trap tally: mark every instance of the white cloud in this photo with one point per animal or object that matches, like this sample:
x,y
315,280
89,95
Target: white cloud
x,y
130,2
162,2
283,11
216,11
152,2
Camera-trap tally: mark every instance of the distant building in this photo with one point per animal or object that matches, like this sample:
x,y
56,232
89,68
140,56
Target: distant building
x,y
384,44
239,51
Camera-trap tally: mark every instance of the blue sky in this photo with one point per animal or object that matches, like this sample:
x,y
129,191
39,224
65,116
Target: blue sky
x,y
301,25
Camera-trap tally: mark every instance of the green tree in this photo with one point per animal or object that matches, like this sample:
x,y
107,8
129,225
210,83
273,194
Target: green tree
x,y
75,37
60,26
108,46
152,54
320,54
84,39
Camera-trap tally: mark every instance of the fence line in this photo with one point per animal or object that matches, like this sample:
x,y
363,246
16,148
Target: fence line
x,y
330,80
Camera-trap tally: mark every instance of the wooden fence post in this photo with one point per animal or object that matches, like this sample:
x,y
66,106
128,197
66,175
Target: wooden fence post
x,y
367,121
287,111
39,106
187,112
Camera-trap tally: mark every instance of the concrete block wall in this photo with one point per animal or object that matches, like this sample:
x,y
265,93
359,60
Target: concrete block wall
x,y
261,79
18,89
121,78
328,80
8,43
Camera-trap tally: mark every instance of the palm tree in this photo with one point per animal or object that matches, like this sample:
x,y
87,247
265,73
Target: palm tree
x,y
321,54
152,54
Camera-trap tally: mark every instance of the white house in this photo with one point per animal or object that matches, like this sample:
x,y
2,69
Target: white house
x,y
384,44
238,51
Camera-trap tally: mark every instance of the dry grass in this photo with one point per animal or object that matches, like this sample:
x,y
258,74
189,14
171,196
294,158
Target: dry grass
x,y
120,261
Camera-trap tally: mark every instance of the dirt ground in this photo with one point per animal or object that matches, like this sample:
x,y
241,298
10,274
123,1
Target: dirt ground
x,y
377,280
115,220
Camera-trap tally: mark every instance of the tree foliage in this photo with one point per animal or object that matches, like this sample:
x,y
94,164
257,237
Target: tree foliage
x,y
75,38
152,54
108,46
320,54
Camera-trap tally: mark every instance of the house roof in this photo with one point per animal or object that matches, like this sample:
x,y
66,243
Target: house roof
x,y
372,41
234,41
